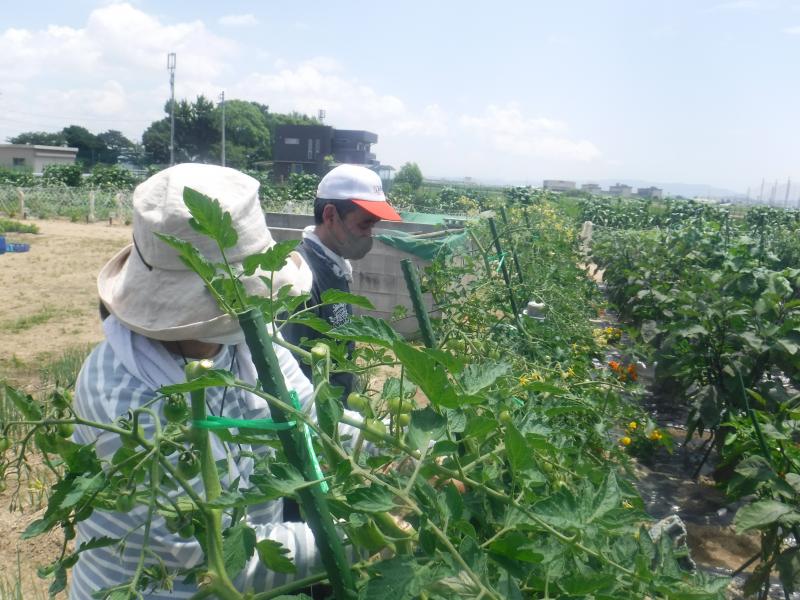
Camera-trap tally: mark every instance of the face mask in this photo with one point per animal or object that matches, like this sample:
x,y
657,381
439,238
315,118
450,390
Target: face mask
x,y
231,339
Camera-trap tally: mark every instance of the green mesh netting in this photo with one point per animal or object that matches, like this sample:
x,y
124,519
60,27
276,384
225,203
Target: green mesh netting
x,y
425,248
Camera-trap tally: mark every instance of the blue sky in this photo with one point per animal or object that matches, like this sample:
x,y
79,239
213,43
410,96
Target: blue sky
x,y
655,90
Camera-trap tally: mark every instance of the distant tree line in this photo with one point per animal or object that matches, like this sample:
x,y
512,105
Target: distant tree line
x,y
249,130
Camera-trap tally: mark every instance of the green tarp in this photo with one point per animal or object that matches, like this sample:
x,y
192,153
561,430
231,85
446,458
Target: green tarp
x,y
426,248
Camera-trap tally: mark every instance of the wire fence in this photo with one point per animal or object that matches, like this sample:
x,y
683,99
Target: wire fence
x,y
75,204
81,205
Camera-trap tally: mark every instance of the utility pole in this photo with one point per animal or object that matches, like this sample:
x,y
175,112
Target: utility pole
x,y
772,194
321,115
171,69
222,104
788,188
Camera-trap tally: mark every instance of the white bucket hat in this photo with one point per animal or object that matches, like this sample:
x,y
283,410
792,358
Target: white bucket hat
x,y
148,288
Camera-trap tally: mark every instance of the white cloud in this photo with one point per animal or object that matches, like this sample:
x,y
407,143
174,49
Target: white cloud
x,y
247,20
319,83
792,30
507,130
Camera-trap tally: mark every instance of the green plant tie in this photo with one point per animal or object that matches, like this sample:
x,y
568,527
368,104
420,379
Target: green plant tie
x,y
309,446
212,422
500,258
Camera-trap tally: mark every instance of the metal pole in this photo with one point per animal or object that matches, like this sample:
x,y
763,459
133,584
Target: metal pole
x,y
171,69
222,103
504,269
414,290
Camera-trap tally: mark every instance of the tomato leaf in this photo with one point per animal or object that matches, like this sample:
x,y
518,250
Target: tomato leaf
x,y
274,555
273,259
208,218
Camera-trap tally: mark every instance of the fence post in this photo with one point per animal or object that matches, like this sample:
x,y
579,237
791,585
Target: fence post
x,y
118,202
90,218
21,195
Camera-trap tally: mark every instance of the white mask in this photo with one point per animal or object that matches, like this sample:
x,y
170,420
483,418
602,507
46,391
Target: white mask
x,y
231,339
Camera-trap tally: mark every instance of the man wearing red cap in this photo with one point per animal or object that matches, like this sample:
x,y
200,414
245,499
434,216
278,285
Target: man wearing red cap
x,y
350,201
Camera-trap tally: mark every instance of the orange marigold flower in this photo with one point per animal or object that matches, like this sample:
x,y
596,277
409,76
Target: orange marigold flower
x,y
615,366
632,373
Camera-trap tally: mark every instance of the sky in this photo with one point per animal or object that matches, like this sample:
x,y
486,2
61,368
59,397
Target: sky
x,y
661,91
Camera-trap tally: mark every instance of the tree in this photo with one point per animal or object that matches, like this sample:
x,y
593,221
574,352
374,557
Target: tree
x,y
247,136
115,145
89,146
410,175
39,138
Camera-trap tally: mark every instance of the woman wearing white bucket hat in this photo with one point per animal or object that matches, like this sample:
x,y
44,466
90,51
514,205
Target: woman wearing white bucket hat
x,y
161,315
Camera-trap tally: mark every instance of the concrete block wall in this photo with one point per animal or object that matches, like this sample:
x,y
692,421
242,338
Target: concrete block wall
x,y
293,221
378,276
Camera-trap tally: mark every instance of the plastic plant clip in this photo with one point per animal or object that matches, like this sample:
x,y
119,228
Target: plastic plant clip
x,y
535,310
309,445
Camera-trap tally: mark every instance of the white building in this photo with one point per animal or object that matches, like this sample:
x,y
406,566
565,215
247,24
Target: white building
x,y
35,158
558,185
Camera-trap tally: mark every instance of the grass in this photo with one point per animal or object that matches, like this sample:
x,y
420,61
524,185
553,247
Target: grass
x,y
63,370
8,226
43,316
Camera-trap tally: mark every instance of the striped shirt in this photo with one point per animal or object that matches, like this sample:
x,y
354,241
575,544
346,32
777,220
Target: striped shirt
x,y
107,388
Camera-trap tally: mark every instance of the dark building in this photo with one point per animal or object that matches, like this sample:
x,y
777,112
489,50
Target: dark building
x,y
305,148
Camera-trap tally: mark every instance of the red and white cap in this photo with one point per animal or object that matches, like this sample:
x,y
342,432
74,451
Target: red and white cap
x,y
360,185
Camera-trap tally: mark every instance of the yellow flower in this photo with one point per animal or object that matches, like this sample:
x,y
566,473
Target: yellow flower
x,y
633,425
625,441
523,380
655,435
626,504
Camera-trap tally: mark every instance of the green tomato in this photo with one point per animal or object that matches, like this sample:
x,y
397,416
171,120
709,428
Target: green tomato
x,y
125,501
65,429
397,405
358,403
375,430
188,464
504,417
175,408
186,529
403,419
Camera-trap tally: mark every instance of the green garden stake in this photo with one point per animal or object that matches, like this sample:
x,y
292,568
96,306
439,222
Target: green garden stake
x,y
312,498
414,290
511,242
506,278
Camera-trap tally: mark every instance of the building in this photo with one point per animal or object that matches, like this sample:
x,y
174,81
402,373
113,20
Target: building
x,y
650,192
558,185
315,148
621,190
592,188
35,158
